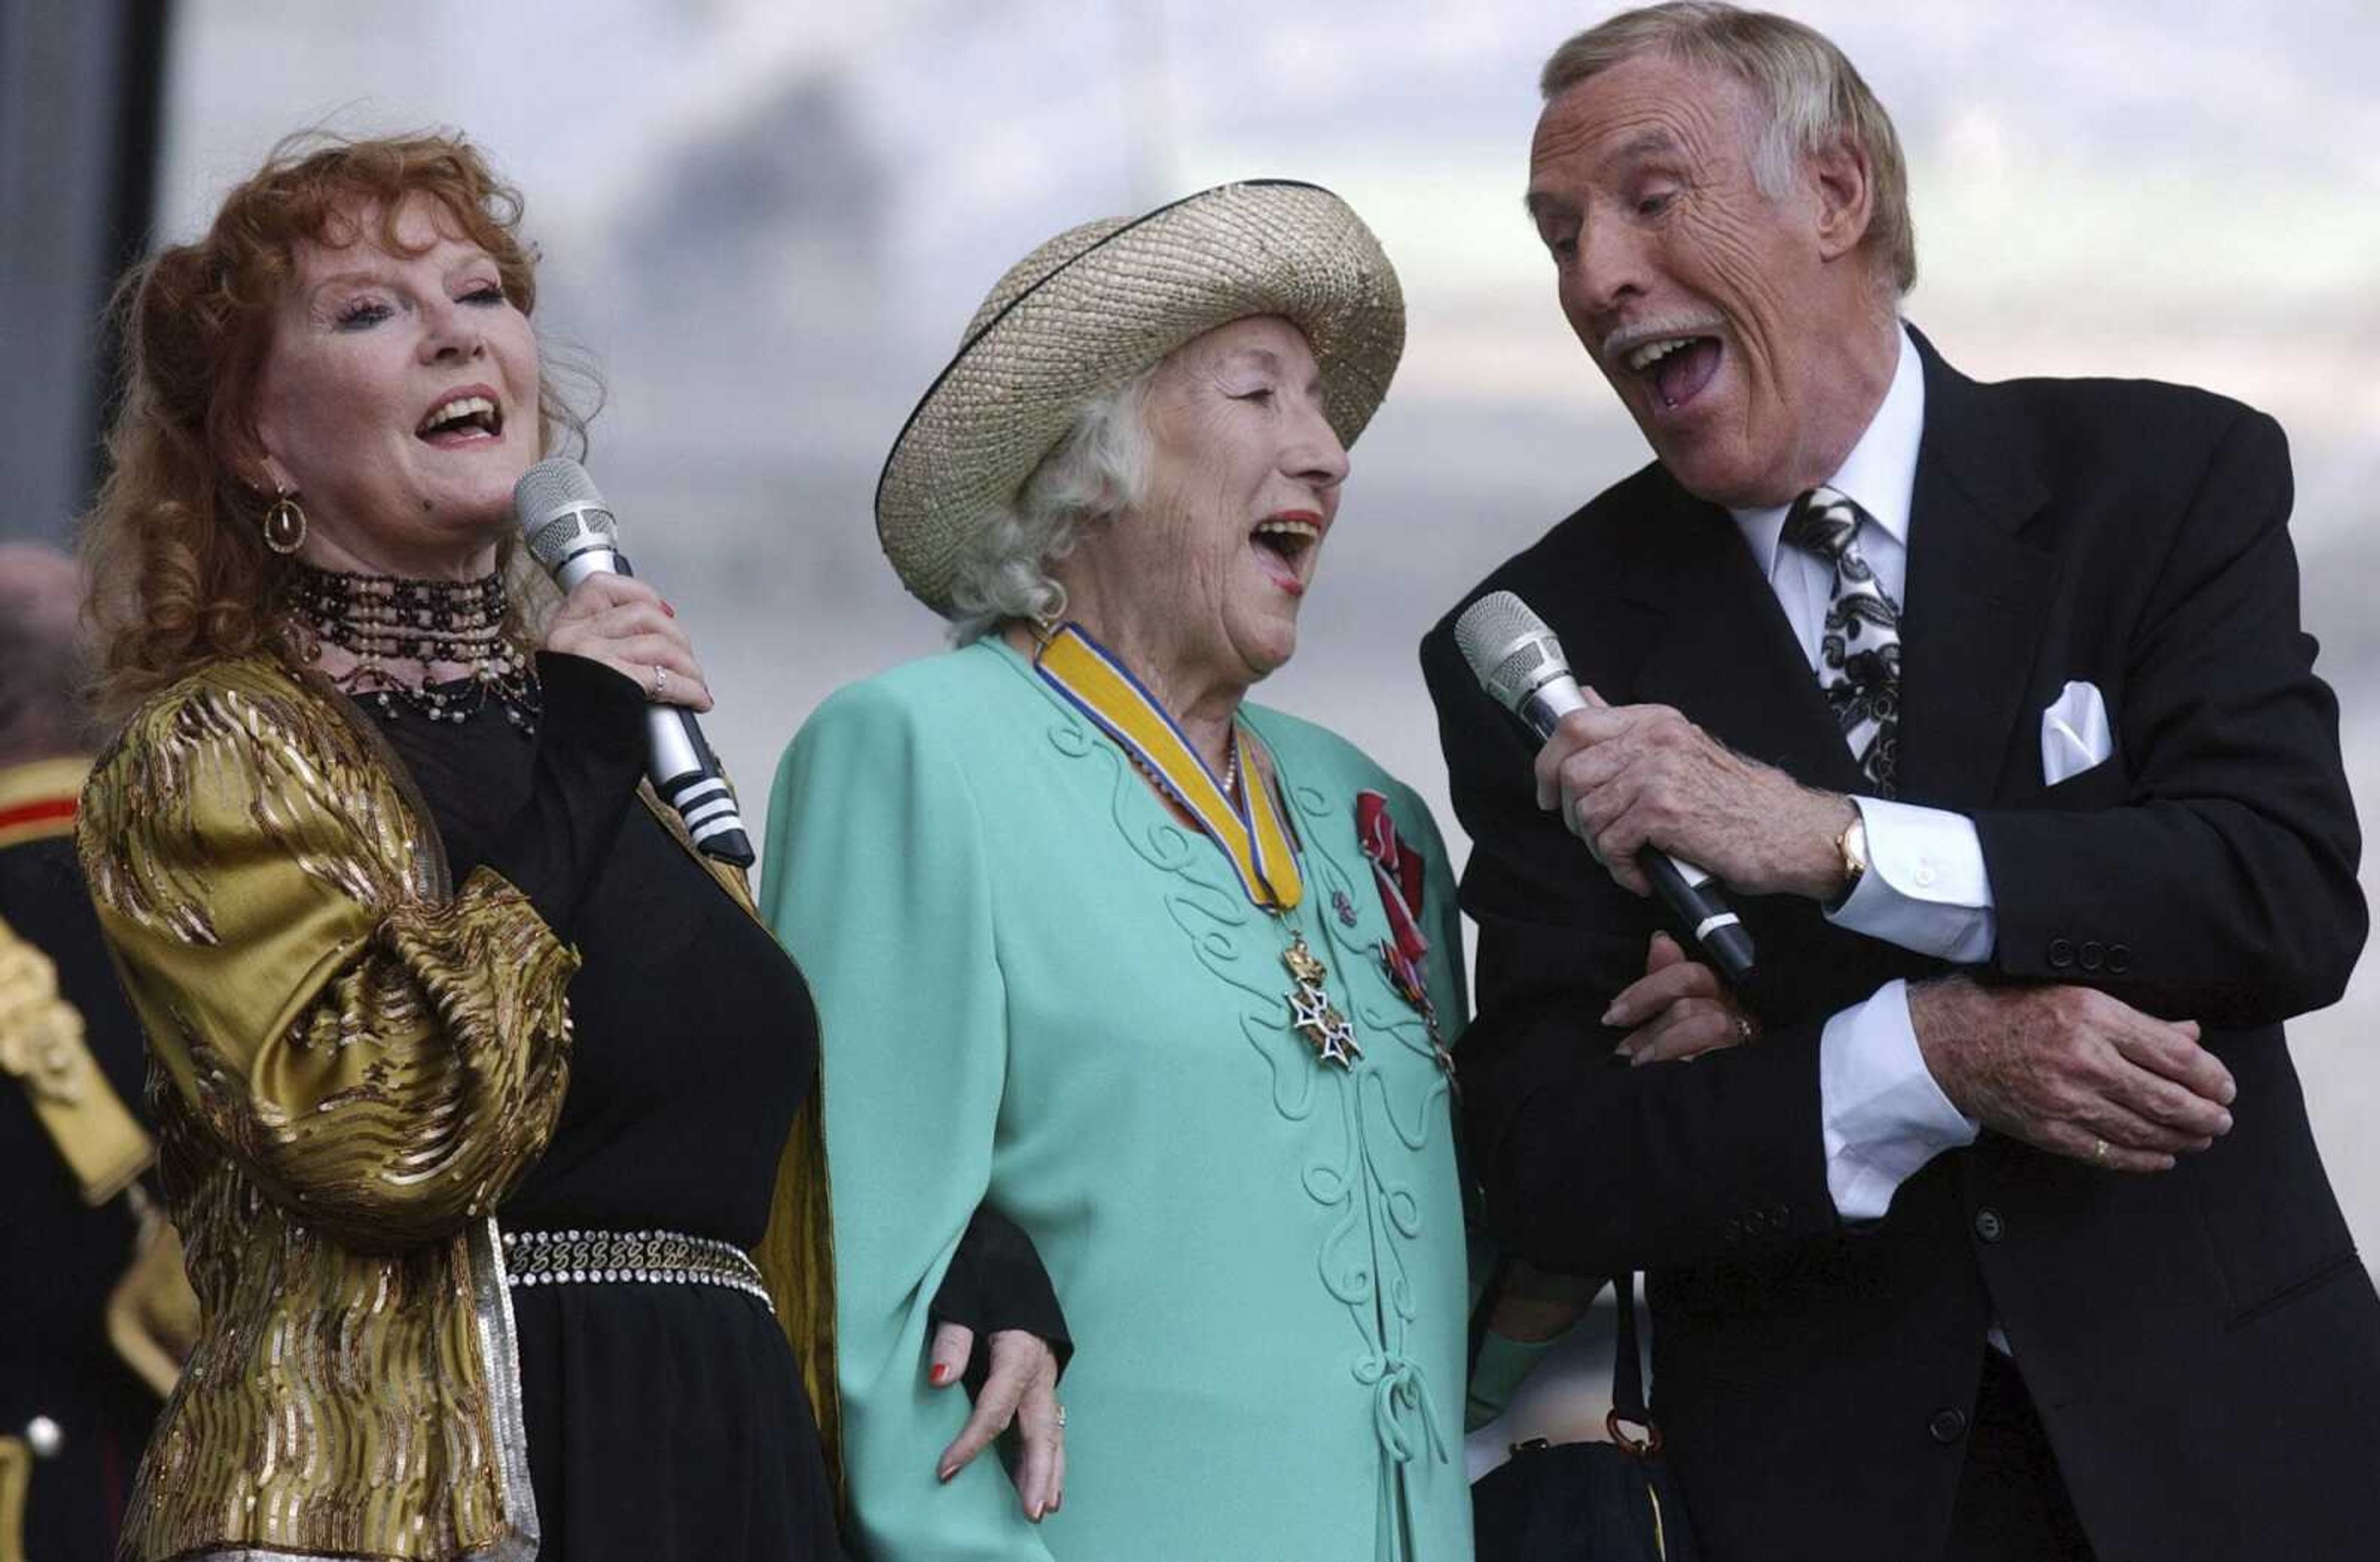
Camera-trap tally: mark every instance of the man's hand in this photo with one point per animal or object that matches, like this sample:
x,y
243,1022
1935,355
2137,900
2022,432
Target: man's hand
x,y
2073,1071
1679,1008
1628,776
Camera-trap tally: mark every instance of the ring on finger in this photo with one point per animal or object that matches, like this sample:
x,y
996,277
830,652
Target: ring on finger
x,y
1744,1030
661,681
2098,1152
1061,1417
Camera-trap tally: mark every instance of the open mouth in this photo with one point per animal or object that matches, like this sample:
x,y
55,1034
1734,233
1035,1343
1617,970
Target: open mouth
x,y
465,419
1284,542
1675,368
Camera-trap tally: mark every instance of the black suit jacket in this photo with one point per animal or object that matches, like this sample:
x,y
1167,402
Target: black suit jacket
x,y
2204,1344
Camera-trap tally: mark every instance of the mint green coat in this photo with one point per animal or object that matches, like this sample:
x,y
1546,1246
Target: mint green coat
x,y
1035,987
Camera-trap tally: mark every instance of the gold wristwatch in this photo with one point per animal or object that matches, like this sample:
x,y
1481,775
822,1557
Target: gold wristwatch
x,y
1852,845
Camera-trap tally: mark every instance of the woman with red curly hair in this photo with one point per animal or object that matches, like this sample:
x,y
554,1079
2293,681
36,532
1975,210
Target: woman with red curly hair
x,y
489,1112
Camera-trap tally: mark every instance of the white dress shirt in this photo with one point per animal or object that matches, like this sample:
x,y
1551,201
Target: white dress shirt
x,y
1925,887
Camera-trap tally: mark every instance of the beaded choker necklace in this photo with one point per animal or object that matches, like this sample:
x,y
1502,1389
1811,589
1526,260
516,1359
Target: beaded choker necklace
x,y
380,620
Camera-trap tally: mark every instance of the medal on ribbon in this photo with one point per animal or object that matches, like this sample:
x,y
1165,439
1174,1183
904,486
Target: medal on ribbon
x,y
1249,828
1398,872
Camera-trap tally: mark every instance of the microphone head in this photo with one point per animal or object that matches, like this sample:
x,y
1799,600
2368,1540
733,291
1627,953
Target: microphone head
x,y
1510,650
560,512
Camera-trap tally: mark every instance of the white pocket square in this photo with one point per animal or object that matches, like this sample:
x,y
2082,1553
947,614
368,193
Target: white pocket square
x,y
2074,735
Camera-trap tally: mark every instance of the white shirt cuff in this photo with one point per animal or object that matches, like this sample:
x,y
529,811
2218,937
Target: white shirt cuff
x,y
1883,1114
1925,888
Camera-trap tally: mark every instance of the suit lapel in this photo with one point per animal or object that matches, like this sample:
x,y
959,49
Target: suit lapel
x,y
1976,594
1720,649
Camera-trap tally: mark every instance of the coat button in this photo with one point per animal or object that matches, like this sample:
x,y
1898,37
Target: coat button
x,y
2120,958
43,1436
1989,1226
2061,953
2092,955
1948,1426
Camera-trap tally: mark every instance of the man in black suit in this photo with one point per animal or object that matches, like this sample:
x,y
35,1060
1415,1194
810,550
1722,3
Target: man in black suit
x,y
1990,706
93,1308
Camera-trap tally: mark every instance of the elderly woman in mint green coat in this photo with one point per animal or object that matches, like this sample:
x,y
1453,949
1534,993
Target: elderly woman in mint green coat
x,y
1166,977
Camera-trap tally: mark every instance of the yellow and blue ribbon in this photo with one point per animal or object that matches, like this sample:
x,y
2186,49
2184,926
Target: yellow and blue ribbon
x,y
1251,832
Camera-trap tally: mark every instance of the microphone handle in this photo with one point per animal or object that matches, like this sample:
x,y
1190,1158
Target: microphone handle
x,y
1686,888
683,769
691,780
1717,930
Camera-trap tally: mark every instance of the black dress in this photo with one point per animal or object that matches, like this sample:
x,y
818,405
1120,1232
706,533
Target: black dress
x,y
664,1421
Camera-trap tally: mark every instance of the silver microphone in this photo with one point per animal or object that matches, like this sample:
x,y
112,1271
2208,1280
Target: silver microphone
x,y
1519,663
571,531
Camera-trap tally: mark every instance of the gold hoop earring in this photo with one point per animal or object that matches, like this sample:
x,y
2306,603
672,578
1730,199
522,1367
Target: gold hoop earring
x,y
1044,624
284,525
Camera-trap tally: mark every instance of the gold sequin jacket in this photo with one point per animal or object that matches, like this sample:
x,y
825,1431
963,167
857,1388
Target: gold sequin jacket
x,y
352,1061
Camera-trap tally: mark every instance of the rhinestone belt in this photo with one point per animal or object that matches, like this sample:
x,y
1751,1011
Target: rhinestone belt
x,y
596,1258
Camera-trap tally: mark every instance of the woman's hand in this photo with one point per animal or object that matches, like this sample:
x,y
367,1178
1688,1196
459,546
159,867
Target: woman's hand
x,y
622,623
1679,1008
1022,1389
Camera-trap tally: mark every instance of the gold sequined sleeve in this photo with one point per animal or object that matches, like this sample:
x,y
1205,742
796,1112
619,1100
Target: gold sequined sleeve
x,y
380,1058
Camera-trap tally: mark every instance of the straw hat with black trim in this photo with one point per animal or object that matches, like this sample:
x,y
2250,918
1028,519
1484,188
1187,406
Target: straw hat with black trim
x,y
1103,302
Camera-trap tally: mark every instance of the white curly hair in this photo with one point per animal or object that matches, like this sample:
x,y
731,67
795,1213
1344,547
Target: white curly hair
x,y
1096,473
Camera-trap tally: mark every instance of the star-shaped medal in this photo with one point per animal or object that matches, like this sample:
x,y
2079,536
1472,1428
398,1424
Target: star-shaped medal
x,y
1311,1013
1337,1042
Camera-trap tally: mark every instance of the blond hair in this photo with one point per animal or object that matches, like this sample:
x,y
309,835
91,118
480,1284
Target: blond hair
x,y
1814,96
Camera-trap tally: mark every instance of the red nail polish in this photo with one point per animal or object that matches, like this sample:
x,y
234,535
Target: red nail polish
x,y
938,1375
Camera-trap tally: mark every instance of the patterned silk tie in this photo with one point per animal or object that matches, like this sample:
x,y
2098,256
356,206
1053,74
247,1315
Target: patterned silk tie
x,y
1859,656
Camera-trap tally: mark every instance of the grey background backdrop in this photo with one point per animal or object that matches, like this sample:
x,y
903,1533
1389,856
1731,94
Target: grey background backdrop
x,y
766,222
